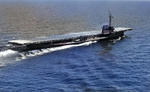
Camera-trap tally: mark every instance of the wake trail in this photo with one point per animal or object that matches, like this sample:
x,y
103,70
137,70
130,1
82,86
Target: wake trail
x,y
7,53
7,56
10,56
33,53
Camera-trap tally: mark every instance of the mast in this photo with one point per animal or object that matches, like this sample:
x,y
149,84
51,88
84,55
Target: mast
x,y
110,16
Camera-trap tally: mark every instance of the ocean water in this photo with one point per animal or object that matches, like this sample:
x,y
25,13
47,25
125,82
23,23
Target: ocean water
x,y
117,65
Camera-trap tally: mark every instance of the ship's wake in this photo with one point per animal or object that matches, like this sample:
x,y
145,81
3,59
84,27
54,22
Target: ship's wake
x,y
9,56
33,53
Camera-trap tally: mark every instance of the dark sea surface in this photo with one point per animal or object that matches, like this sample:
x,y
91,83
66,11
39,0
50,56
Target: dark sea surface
x,y
118,65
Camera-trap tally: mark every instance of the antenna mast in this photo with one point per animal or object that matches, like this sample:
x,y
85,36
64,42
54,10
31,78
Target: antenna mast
x,y
110,18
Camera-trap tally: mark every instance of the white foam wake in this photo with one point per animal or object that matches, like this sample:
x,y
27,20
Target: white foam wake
x,y
7,53
34,53
115,40
7,57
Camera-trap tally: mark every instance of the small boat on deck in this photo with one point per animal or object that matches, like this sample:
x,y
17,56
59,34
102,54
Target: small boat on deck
x,y
107,32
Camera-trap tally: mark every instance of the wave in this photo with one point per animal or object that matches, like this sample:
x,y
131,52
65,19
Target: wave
x,y
118,39
10,56
33,53
7,56
7,53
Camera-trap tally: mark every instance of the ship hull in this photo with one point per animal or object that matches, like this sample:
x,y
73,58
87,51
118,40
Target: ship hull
x,y
115,35
65,39
67,42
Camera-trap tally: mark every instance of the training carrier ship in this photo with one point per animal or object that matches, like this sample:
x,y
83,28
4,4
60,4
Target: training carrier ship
x,y
107,32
